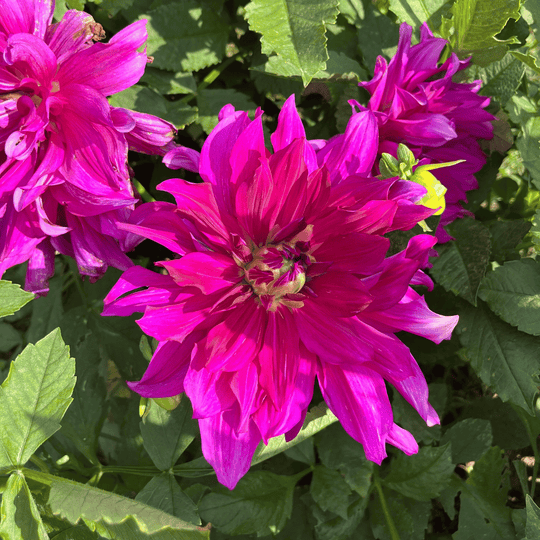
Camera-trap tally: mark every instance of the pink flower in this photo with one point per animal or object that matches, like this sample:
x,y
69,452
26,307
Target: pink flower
x,y
64,180
416,103
282,278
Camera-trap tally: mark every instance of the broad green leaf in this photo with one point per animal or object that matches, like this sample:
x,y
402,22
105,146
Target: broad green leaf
x,y
330,491
528,59
448,496
294,30
185,36
522,474
12,298
164,493
20,519
34,397
409,419
304,452
142,99
261,503
475,24
505,236
352,10
484,513
112,515
462,263
501,78
421,476
504,358
316,419
167,82
529,147
166,434
9,337
470,439
416,12
512,291
47,311
410,517
532,528
299,526
535,229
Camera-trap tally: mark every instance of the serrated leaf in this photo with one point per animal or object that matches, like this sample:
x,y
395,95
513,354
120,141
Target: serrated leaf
x,y
167,82
20,519
164,493
421,476
529,147
470,439
166,434
34,397
304,452
112,515
261,503
504,358
185,36
532,527
12,298
416,12
461,264
330,491
505,236
512,291
294,30
528,59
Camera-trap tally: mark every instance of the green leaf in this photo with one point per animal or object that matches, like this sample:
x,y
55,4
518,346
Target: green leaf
x,y
475,25
12,298
9,337
504,358
167,82
20,519
112,515
299,526
185,36
294,30
409,419
261,503
533,519
304,452
416,12
501,78
505,236
330,491
529,148
34,397
535,229
142,99
166,434
461,264
47,311
528,59
484,513
512,291
470,439
421,476
164,493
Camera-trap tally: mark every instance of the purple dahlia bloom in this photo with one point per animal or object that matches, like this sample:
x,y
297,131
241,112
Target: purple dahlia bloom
x,y
416,103
64,179
283,278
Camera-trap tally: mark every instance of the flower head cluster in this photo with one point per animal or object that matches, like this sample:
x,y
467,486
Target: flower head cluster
x,y
416,102
283,278
64,180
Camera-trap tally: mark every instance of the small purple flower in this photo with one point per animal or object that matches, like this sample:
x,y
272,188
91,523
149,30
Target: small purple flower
x,y
416,103
64,179
282,277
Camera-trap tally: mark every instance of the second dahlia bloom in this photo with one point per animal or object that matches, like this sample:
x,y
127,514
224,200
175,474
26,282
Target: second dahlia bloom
x,y
417,103
283,279
64,179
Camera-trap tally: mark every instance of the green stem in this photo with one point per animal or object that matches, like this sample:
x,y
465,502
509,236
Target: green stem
x,y
40,464
523,415
389,521
146,197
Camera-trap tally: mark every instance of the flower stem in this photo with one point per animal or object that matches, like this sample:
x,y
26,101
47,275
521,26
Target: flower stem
x,y
39,463
389,521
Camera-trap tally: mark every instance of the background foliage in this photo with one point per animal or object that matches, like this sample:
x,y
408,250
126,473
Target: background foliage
x,y
78,461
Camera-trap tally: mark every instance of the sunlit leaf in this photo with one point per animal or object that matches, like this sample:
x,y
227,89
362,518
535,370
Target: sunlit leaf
x,y
12,298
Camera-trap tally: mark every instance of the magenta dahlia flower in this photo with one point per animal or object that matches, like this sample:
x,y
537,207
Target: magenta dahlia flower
x,y
417,104
64,179
282,278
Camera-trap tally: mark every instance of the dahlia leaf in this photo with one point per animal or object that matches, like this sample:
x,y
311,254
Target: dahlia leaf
x,y
504,358
166,434
483,512
113,516
535,229
303,452
512,291
34,397
164,493
166,82
330,491
505,237
529,148
294,30
533,519
12,298
475,24
185,36
471,439
461,264
261,503
9,337
19,513
416,12
528,59
47,312
421,476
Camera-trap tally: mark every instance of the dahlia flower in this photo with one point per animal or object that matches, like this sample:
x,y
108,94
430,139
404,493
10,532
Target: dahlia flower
x,y
64,180
283,278
416,103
